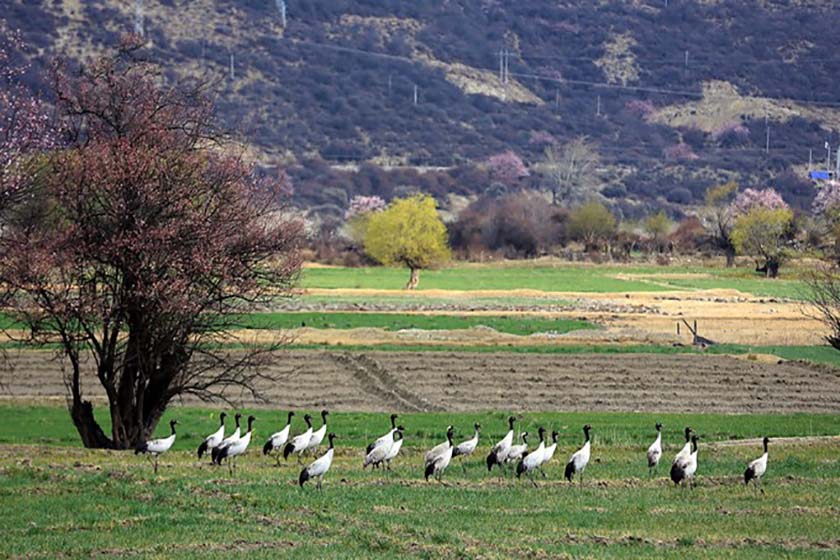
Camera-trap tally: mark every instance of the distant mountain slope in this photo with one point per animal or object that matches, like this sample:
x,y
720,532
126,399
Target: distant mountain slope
x,y
674,97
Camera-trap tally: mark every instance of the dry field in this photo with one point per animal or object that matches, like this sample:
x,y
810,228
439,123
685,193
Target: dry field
x,y
466,381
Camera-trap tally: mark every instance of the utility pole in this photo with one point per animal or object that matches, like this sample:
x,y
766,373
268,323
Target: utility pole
x,y
232,71
598,107
557,99
810,159
415,94
138,18
837,164
281,7
767,132
827,156
389,85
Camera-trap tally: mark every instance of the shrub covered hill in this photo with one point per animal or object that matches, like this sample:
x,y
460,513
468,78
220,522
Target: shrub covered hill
x,y
389,96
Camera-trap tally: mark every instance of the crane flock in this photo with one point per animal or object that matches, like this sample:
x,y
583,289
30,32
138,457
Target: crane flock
x,y
504,454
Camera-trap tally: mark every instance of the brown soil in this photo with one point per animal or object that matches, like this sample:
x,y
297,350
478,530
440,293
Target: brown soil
x,y
461,381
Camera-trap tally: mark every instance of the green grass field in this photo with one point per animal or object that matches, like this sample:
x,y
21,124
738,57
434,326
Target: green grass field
x,y
560,278
520,325
61,500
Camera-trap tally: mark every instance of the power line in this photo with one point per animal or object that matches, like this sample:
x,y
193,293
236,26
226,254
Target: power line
x,y
589,83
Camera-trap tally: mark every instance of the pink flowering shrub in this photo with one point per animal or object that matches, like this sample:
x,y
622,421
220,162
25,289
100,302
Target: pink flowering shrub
x,y
539,137
507,167
681,151
731,134
24,122
751,199
640,108
364,205
827,201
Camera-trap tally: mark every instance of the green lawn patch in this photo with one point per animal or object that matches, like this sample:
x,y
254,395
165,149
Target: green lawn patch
x,y
512,324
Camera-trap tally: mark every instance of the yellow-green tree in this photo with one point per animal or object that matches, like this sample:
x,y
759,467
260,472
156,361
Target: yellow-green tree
x,y
657,226
762,232
591,223
408,233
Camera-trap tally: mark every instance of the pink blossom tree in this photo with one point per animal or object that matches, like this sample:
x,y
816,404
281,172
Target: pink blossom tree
x,y
750,199
360,205
25,126
507,167
827,202
681,151
150,244
642,108
731,134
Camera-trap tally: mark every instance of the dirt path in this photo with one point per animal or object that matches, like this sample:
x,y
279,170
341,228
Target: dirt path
x,y
462,381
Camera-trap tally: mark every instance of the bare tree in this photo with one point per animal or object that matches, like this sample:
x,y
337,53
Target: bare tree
x,y
823,293
570,171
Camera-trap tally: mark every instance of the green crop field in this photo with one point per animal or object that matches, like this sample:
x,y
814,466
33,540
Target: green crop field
x,y
63,501
561,278
520,325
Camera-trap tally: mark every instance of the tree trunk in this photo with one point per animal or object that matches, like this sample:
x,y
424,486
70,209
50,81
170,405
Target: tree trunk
x,y
414,279
92,435
730,257
773,268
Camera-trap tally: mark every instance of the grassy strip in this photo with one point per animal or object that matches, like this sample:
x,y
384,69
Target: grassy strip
x,y
51,425
519,325
66,501
558,278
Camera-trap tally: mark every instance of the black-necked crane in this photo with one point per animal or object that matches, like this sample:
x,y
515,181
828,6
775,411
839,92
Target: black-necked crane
x,y
395,449
279,439
686,449
157,447
684,469
756,469
318,435
234,449
237,432
439,463
387,439
379,454
654,452
319,467
549,452
530,462
516,452
468,447
500,451
300,442
213,439
440,448
577,463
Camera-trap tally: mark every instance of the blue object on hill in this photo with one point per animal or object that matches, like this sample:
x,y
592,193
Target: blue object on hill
x,y
824,175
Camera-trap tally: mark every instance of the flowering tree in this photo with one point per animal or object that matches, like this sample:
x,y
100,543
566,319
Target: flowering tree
x,y
147,242
827,202
731,134
25,127
358,216
640,107
360,205
681,151
750,199
507,167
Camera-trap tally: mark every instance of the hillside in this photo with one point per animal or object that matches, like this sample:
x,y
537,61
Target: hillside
x,y
675,98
